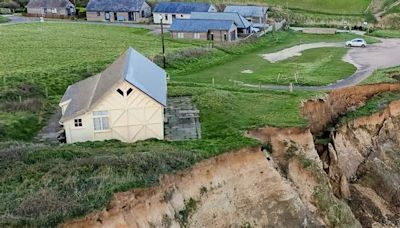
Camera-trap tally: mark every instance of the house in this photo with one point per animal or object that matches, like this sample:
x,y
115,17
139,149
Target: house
x,y
125,102
243,26
257,15
168,11
204,29
118,10
50,8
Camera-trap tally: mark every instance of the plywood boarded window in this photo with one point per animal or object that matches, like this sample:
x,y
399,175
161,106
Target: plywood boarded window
x,y
180,35
196,35
100,121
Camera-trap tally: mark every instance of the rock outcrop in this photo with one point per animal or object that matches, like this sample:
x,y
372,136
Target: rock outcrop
x,y
368,156
235,189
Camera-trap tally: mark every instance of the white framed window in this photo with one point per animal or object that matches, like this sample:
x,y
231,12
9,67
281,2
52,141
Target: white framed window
x,y
54,10
98,14
166,17
100,121
196,35
181,35
78,122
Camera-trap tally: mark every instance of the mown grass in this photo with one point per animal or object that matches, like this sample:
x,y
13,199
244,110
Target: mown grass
x,y
384,75
314,67
386,33
373,105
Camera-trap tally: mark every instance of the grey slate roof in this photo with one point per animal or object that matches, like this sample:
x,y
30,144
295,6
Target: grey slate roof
x,y
199,25
181,7
240,21
247,11
114,5
48,4
131,67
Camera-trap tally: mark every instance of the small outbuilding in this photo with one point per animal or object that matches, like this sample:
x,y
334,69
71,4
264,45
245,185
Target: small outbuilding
x,y
50,8
243,26
254,14
203,29
118,10
125,102
169,11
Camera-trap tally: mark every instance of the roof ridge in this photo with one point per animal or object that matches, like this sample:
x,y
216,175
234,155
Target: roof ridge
x,y
93,91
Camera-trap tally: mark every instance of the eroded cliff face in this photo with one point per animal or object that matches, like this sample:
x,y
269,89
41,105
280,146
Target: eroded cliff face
x,y
236,189
366,153
352,181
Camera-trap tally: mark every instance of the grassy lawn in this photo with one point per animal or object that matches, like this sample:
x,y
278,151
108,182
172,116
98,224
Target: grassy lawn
x,y
319,66
315,67
384,75
3,19
386,33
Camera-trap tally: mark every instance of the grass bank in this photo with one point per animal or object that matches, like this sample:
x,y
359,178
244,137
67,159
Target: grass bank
x,y
4,19
386,33
373,105
384,75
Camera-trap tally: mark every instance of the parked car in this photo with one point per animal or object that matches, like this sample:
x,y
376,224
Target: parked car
x,y
254,30
356,43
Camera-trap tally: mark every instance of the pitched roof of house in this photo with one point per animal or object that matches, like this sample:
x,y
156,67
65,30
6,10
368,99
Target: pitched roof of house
x,y
199,25
48,4
247,11
115,5
240,21
181,7
131,67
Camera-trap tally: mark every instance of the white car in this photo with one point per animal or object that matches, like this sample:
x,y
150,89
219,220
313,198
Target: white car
x,y
356,43
254,30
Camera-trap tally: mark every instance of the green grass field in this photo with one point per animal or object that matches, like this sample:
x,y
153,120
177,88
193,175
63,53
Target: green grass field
x,y
315,67
384,75
3,19
319,66
327,6
386,33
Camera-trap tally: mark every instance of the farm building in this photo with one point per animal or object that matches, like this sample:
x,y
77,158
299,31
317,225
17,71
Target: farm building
x,y
203,29
50,8
257,15
125,102
243,26
168,11
118,10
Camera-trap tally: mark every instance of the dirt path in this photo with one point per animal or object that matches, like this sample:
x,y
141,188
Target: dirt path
x,y
296,51
367,60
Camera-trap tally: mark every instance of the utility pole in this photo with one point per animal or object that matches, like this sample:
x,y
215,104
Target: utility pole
x,y
162,40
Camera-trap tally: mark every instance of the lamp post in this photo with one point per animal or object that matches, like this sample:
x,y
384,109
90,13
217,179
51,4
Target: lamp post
x,y
162,40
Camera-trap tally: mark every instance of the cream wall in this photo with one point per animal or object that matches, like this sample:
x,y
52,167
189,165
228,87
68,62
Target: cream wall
x,y
131,118
156,17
